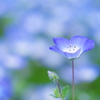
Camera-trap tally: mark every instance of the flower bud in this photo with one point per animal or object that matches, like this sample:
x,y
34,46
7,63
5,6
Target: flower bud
x,y
53,76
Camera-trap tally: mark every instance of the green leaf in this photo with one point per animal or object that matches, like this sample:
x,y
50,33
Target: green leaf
x,y
56,93
65,91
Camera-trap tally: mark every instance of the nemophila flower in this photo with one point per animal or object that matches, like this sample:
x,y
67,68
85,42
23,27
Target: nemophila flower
x,y
72,48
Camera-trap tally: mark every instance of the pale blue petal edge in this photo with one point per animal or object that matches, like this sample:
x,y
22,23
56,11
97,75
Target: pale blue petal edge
x,y
78,41
61,43
55,49
88,45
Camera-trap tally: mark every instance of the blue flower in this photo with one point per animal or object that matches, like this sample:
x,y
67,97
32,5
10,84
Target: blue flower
x,y
72,48
5,85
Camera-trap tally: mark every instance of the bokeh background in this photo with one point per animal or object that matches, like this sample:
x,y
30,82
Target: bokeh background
x,y
26,31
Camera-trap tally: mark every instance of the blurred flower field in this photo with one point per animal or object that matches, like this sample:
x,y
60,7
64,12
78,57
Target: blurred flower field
x,y
26,31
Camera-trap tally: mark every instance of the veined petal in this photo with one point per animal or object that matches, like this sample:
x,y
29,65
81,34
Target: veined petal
x,y
73,55
88,45
61,43
54,48
78,41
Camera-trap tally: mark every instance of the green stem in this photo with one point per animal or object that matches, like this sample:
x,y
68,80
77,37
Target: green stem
x,y
58,85
72,79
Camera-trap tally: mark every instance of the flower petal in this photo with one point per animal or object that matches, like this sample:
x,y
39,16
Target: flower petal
x,y
54,48
73,55
61,43
88,45
72,48
78,41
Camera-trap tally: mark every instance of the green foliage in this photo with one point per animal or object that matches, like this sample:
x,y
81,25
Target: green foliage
x,y
65,91
36,73
3,24
56,93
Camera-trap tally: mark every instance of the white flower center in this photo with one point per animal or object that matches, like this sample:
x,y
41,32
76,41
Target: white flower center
x,y
71,49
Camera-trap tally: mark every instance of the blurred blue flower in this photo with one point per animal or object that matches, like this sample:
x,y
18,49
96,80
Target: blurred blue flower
x,y
9,58
74,47
4,7
5,85
14,61
83,73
